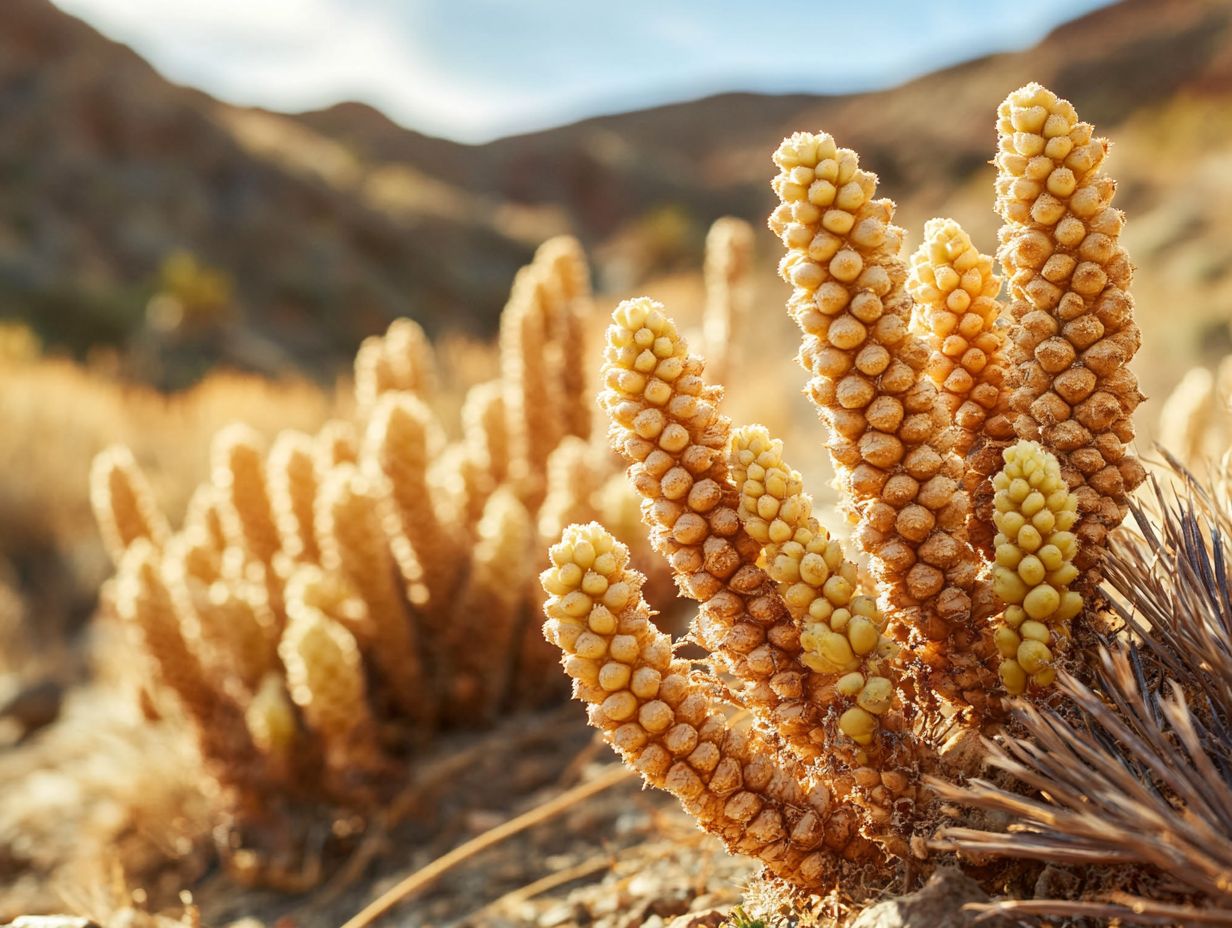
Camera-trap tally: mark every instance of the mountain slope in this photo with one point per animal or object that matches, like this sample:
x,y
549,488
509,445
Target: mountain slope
x,y
329,223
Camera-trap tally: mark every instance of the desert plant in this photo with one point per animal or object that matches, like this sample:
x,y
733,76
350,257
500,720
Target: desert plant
x,y
930,403
333,600
1134,771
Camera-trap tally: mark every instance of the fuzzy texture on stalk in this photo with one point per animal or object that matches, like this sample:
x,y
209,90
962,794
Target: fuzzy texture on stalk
x,y
401,359
887,432
336,443
666,424
669,726
166,627
729,256
123,503
204,514
1069,278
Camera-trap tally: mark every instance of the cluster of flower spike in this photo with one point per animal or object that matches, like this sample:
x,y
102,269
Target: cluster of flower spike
x,y
333,600
925,408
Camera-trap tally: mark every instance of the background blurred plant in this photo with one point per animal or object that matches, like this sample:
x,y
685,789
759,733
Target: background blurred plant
x,y
333,600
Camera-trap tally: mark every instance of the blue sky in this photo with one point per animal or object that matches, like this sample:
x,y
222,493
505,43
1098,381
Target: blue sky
x,y
477,69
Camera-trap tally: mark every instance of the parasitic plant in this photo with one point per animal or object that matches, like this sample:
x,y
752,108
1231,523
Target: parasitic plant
x,y
333,601
982,452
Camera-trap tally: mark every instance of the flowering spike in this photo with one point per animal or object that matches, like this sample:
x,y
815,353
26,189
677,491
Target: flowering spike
x,y
1069,277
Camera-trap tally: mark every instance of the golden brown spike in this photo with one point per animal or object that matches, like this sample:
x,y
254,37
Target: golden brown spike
x,y
1187,416
204,515
353,542
955,291
325,676
665,423
530,400
123,503
403,437
293,491
564,263
729,255
489,611
1069,277
373,373
270,719
887,433
238,470
412,361
574,477
234,628
673,729
1035,552
336,443
166,627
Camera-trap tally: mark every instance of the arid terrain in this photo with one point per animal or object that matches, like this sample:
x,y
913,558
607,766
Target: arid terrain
x,y
170,263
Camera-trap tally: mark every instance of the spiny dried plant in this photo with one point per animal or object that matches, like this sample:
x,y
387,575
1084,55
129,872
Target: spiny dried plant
x,y
1134,772
858,687
331,601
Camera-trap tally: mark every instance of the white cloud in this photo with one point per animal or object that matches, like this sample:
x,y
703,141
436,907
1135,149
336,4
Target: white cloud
x,y
297,54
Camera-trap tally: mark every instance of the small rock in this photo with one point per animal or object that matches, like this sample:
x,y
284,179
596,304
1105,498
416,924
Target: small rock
x,y
940,902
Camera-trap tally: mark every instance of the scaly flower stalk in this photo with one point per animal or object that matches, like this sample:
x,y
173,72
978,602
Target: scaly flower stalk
x,y
166,627
124,503
669,726
325,677
955,291
729,255
489,611
565,265
353,542
1187,414
1034,566
534,425
573,480
238,470
887,435
1069,277
666,424
293,490
403,437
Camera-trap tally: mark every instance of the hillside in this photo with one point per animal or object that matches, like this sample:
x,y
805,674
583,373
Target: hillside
x,y
329,223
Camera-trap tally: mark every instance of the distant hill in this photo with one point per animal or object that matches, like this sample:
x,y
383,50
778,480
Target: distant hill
x,y
331,222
